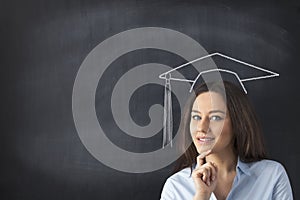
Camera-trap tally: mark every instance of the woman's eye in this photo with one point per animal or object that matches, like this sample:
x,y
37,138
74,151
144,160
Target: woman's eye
x,y
216,118
196,117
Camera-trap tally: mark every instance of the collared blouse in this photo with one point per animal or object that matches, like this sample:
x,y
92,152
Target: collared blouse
x,y
262,180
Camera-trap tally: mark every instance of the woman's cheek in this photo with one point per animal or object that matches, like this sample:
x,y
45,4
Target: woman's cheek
x,y
192,128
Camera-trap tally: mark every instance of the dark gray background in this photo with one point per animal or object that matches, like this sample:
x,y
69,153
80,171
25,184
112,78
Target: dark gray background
x,y
43,44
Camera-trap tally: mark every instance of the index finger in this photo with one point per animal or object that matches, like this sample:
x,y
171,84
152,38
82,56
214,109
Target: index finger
x,y
201,157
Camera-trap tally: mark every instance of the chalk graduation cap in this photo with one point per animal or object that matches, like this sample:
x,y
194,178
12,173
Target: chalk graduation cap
x,y
207,67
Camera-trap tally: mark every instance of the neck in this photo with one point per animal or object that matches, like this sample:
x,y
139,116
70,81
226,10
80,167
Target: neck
x,y
226,161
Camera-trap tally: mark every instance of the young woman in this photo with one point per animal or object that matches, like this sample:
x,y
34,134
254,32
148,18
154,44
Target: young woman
x,y
227,158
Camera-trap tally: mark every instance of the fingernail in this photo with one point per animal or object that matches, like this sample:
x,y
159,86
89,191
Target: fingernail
x,y
213,178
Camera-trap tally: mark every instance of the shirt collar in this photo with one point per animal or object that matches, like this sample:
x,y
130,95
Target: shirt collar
x,y
243,167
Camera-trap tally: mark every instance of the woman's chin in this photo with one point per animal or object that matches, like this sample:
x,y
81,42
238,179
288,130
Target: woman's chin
x,y
204,148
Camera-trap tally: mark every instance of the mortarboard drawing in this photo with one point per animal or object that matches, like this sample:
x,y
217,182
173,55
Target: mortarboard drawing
x,y
167,119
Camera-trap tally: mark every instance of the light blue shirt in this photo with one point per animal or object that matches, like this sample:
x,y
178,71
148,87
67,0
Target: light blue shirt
x,y
262,180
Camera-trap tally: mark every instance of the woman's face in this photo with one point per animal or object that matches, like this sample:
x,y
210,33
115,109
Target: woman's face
x,y
210,124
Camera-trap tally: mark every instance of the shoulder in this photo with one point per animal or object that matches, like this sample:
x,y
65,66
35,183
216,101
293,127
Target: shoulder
x,y
271,172
275,175
263,166
183,174
267,178
178,179
264,170
177,185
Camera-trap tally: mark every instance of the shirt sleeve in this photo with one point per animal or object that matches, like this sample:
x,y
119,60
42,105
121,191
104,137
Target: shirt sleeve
x,y
168,191
282,189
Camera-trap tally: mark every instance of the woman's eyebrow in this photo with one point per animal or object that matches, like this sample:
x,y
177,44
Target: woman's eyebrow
x,y
196,111
212,111
217,111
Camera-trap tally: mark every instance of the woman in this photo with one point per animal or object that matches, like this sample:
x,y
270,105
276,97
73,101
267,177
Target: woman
x,y
227,159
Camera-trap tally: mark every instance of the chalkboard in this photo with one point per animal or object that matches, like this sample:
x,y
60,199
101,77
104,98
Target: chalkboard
x,y
45,43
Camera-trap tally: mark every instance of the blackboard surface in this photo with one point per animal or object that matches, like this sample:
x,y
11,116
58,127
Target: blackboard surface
x,y
43,44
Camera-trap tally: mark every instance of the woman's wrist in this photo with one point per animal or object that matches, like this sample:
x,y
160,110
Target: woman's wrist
x,y
201,196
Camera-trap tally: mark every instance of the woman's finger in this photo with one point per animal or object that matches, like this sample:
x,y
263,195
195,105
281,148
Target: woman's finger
x,y
213,171
207,172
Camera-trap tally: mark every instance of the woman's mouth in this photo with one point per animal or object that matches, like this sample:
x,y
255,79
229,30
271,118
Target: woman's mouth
x,y
205,139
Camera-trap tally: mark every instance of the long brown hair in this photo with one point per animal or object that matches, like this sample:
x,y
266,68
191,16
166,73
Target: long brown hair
x,y
248,140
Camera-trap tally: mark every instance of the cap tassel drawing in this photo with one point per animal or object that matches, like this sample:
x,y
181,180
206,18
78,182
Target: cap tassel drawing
x,y
168,115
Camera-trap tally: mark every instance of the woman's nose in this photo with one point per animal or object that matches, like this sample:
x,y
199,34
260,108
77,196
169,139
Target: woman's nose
x,y
203,125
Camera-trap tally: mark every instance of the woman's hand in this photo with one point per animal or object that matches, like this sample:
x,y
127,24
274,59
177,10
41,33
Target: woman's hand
x,y
205,177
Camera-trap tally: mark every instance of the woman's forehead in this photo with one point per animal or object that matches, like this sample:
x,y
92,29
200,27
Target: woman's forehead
x,y
209,101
